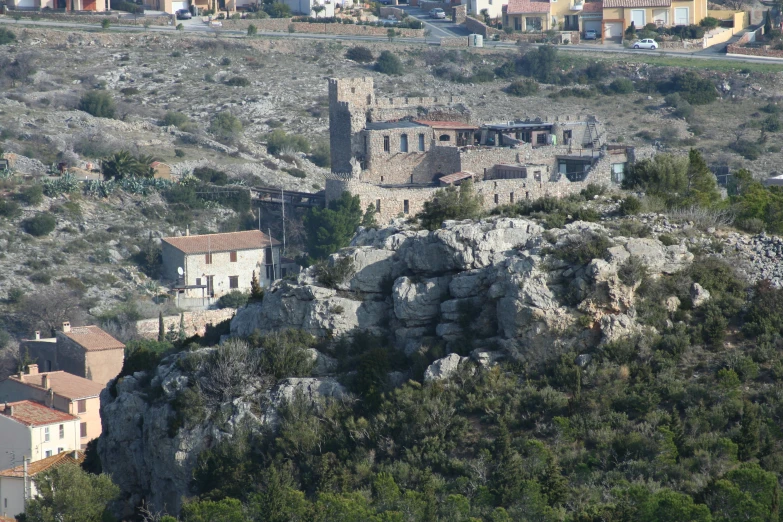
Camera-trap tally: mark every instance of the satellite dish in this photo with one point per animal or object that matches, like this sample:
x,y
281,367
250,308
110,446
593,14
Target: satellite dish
x,y
180,271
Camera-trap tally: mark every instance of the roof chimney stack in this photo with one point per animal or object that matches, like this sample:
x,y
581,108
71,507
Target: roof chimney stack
x,y
38,335
187,230
32,369
45,381
66,327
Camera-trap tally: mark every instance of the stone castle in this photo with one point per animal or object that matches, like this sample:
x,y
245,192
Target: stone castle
x,y
394,153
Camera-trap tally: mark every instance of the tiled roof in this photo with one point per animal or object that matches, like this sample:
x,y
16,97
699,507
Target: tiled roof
x,y
593,7
93,339
32,413
227,242
637,3
527,6
64,384
458,125
39,466
457,176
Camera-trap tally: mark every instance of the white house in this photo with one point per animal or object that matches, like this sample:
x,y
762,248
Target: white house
x,y
12,481
494,7
30,429
215,264
305,7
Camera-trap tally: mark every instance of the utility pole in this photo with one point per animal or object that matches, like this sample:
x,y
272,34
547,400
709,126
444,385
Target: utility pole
x,y
282,202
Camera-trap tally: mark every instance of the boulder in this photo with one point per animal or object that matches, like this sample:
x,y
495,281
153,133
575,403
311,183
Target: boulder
x,y
444,368
617,326
699,295
583,359
418,302
323,364
672,304
486,358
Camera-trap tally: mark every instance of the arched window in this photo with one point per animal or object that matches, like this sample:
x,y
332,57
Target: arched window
x,y
404,143
444,137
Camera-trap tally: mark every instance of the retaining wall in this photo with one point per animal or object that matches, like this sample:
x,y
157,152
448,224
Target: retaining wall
x,y
195,322
738,48
281,25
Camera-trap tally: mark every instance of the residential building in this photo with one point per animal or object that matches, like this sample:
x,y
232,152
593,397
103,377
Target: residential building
x,y
494,8
86,351
212,265
12,481
62,391
35,431
527,15
161,170
307,7
618,14
69,5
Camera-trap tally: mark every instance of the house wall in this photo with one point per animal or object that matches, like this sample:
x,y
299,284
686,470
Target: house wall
x,y
172,259
195,322
697,10
42,352
103,366
221,268
92,417
493,7
16,439
11,496
70,356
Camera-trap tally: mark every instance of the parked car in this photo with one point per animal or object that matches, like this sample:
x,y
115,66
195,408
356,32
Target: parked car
x,y
591,35
184,14
647,43
437,13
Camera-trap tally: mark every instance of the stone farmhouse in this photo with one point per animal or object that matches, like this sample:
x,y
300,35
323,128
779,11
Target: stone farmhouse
x,y
62,391
394,153
211,265
86,351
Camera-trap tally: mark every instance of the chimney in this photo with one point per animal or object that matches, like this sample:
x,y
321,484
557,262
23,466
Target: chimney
x,y
187,230
75,455
50,398
45,381
10,409
38,335
66,327
32,369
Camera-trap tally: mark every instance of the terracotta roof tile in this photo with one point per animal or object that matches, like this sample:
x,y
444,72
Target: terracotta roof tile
x,y
446,124
64,384
227,242
527,6
457,176
93,339
637,3
32,413
593,7
39,466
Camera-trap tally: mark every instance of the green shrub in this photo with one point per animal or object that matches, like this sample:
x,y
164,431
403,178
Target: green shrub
x,y
8,208
39,225
32,195
692,88
582,249
6,36
747,149
709,23
225,126
522,88
252,30
238,81
279,142
668,240
359,54
389,63
233,299
177,119
98,103
278,10
129,91
630,206
451,203
321,155
332,276
297,173
633,271
621,86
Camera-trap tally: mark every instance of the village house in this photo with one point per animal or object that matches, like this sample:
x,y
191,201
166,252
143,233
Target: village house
x,y
15,481
211,265
69,5
394,153
67,393
35,431
86,351
493,8
618,14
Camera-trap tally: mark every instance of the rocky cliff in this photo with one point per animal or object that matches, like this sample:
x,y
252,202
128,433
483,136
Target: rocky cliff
x,y
501,288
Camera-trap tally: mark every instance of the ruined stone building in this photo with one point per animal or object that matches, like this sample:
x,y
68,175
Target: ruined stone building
x,y
394,153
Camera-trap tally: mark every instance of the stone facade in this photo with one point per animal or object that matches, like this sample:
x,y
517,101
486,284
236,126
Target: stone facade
x,y
99,366
195,323
397,163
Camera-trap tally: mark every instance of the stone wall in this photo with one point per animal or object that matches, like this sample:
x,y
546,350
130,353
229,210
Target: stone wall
x,y
478,27
281,25
70,356
738,48
459,13
396,12
571,36
195,322
460,41
94,18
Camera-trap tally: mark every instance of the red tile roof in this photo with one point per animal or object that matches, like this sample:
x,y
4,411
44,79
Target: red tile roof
x,y
248,240
64,384
93,339
457,125
457,176
527,6
593,7
32,413
39,466
637,3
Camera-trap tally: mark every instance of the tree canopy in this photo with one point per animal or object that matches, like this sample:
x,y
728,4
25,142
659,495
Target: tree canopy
x,y
330,229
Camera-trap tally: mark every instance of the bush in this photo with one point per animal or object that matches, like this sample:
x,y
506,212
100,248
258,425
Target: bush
x,y
297,173
238,81
32,195
668,240
451,203
621,86
632,272
226,126
389,63
8,208
321,155
709,23
332,276
692,88
210,175
6,36
39,225
360,54
630,206
177,119
252,30
582,249
278,142
747,149
129,91
98,103
278,10
522,88
233,299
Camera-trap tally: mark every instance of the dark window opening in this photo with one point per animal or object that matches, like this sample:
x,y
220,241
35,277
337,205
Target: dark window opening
x,y
421,142
404,143
386,144
81,406
377,205
208,258
541,138
233,282
496,199
444,137
233,256
83,429
511,197
405,207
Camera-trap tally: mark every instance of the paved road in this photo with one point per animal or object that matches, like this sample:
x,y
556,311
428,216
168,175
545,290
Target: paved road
x,y
440,29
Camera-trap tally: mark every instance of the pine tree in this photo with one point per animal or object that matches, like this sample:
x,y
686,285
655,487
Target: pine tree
x,y
702,188
161,329
256,292
767,23
678,433
508,480
750,426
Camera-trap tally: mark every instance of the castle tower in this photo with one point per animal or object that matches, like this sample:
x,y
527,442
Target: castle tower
x,y
349,99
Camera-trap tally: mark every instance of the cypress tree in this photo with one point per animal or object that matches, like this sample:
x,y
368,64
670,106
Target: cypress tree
x,y
702,188
161,329
181,334
256,292
750,427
